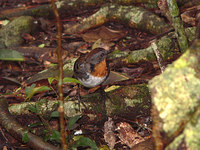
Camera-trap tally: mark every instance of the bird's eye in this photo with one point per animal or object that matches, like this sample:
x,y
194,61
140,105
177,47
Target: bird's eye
x,y
102,54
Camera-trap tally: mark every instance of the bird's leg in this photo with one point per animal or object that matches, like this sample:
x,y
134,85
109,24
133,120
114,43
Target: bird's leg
x,y
79,99
105,95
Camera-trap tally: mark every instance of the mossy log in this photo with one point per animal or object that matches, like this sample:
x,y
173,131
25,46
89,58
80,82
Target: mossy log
x,y
11,34
134,17
166,46
17,131
175,98
124,100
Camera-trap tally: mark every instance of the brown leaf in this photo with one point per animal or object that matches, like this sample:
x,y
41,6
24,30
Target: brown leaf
x,y
107,35
127,135
109,135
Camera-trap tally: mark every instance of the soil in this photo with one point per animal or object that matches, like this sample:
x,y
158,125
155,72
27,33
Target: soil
x,y
20,71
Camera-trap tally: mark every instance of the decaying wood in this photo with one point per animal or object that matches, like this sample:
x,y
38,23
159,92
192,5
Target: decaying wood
x,y
175,98
134,17
17,131
124,99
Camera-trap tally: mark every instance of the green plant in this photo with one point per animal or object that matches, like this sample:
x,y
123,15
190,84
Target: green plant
x,y
74,141
11,55
31,90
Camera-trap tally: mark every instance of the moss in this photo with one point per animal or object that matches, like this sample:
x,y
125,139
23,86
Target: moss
x,y
176,96
129,97
11,34
123,100
42,11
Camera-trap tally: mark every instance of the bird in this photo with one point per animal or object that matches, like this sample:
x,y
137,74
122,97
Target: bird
x,y
92,68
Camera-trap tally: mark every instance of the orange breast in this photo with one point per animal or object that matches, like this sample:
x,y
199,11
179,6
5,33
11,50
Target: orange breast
x,y
100,69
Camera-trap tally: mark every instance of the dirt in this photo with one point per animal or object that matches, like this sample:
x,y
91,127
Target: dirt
x,y
20,71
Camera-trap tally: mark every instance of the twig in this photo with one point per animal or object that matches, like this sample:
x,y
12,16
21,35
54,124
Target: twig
x,y
158,56
60,78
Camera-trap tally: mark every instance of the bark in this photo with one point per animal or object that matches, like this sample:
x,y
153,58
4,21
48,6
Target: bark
x,y
134,17
165,45
176,107
65,7
125,100
17,131
178,25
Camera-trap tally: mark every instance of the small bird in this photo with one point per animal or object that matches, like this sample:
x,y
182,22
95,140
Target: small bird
x,y
92,69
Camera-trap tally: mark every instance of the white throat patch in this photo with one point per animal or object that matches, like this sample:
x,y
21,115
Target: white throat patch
x,y
92,81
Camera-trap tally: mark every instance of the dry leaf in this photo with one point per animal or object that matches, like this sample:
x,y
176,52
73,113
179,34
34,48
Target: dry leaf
x,y
127,135
109,135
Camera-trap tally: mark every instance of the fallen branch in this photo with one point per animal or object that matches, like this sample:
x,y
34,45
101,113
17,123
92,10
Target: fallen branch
x,y
134,17
123,102
17,131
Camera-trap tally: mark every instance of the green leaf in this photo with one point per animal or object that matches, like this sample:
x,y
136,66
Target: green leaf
x,y
55,136
46,136
28,89
71,80
51,79
25,137
54,114
11,55
37,90
41,88
66,98
5,22
84,142
41,45
45,131
72,121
